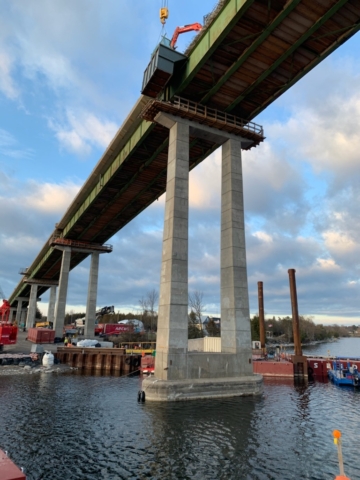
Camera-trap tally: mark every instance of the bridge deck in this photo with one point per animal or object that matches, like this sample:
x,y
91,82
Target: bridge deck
x,y
250,52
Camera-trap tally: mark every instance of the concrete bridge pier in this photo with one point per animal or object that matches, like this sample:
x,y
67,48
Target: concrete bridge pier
x,y
30,320
180,375
92,296
68,246
62,292
11,317
19,309
52,302
35,284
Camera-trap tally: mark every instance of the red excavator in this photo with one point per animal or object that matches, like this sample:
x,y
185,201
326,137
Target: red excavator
x,y
164,15
186,28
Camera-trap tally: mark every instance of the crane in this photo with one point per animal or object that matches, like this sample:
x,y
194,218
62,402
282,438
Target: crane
x,y
164,11
164,15
186,28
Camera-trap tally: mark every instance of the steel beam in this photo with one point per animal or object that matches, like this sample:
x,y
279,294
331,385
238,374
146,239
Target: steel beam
x,y
288,52
306,70
127,185
209,41
289,7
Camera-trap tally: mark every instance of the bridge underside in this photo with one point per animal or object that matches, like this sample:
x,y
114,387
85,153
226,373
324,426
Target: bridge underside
x,y
250,52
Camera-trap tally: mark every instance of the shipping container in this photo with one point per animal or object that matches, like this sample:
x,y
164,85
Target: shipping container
x,y
8,334
41,335
115,328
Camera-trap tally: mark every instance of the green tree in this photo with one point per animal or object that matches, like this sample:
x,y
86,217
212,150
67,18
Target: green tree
x,y
193,329
213,329
255,328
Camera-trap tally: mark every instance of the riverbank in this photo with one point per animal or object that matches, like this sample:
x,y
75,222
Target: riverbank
x,y
272,343
19,360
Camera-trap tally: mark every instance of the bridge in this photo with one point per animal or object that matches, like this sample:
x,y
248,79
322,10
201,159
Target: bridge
x,y
247,55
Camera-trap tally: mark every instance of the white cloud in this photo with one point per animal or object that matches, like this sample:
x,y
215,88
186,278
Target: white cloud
x,y
265,237
50,198
204,183
7,84
82,131
9,146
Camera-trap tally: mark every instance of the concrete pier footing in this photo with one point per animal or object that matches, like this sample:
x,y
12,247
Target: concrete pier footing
x,y
200,389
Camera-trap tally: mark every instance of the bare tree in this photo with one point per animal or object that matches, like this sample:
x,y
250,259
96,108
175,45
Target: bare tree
x,y
143,302
152,298
147,304
196,304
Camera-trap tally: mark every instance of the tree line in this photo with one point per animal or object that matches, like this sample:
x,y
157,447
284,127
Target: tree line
x,y
281,329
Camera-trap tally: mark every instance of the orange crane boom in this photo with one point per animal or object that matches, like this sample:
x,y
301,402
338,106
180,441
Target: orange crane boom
x,y
186,28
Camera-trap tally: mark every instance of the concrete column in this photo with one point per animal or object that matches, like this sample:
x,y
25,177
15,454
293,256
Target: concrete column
x,y
92,296
30,321
52,301
62,293
11,317
23,316
172,334
18,311
235,315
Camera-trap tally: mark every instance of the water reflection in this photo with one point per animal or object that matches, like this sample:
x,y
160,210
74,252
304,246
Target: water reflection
x,y
80,427
200,439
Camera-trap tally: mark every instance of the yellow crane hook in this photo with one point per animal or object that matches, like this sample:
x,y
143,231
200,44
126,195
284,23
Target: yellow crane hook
x,y
164,12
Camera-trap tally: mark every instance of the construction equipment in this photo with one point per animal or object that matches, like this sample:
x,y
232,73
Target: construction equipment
x,y
8,332
43,325
4,312
164,60
186,28
164,11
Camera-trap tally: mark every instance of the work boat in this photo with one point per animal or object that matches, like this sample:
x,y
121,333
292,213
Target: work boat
x,y
341,375
8,469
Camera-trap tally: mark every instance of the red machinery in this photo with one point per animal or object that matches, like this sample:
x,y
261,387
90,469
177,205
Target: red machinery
x,y
5,312
186,28
8,332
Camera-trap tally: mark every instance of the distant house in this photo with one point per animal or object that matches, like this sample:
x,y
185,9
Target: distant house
x,y
216,320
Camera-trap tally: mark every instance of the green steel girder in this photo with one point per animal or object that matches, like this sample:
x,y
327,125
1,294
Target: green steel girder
x,y
138,136
134,141
289,51
127,185
148,186
214,35
339,30
306,70
289,7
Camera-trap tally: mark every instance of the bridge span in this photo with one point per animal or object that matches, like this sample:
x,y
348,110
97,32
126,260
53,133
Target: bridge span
x,y
247,55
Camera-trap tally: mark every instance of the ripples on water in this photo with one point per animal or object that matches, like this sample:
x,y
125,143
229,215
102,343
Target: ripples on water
x,y
77,427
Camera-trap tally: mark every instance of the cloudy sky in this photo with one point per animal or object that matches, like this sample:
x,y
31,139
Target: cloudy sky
x,y
70,73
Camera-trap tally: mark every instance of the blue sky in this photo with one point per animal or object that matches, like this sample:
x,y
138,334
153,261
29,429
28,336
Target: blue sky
x,y
69,74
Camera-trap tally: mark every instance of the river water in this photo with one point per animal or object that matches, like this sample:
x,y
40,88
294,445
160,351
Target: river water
x,y
67,427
